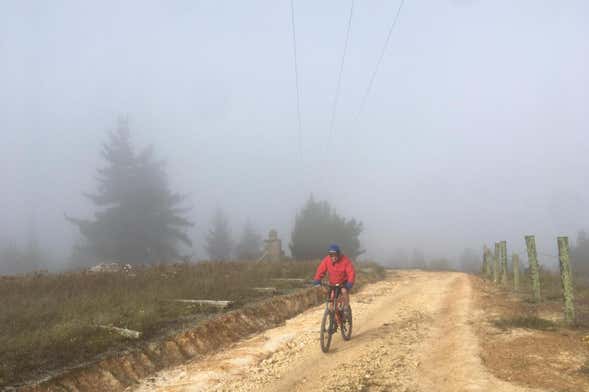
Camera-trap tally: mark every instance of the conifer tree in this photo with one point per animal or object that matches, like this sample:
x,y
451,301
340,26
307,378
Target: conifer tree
x,y
317,225
250,244
218,240
138,219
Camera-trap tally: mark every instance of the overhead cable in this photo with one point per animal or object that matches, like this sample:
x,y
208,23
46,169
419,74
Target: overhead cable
x,y
384,49
339,79
294,45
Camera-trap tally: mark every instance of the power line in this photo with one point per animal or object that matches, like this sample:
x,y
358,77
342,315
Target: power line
x,y
339,79
294,45
384,49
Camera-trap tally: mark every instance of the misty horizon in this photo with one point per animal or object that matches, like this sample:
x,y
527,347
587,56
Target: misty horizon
x,y
473,132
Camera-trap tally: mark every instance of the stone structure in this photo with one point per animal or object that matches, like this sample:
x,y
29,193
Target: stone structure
x,y
273,247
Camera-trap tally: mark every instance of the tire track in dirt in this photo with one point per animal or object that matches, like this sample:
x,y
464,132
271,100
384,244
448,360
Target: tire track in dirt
x,y
451,359
412,332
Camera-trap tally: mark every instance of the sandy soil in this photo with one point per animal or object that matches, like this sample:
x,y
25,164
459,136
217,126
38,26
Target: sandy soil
x,y
412,332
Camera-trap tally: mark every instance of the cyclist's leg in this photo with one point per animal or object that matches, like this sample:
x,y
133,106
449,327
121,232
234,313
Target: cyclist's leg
x,y
345,297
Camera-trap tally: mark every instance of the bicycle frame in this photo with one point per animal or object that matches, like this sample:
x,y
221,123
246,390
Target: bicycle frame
x,y
334,318
335,302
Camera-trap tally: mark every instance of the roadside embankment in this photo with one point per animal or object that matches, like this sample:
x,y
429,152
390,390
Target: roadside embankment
x,y
171,332
117,373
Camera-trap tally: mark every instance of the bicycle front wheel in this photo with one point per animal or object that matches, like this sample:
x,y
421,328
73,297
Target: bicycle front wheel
x,y
347,324
326,330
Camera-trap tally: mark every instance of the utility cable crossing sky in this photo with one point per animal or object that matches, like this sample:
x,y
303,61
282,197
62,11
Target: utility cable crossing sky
x,y
384,49
341,69
294,46
339,78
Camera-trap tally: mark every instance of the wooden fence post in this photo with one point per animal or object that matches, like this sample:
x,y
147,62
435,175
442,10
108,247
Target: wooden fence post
x,y
503,255
488,261
534,268
496,263
515,265
567,279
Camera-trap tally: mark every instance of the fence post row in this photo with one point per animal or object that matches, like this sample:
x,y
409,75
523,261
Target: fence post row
x,y
499,270
515,266
496,263
534,268
488,266
566,279
503,255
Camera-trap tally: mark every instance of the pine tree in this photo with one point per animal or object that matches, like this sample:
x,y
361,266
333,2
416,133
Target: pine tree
x,y
317,226
218,240
250,243
139,220
579,254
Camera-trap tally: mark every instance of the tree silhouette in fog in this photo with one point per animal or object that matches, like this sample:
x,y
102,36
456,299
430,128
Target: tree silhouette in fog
x,y
418,259
580,255
317,225
250,243
218,241
138,219
470,261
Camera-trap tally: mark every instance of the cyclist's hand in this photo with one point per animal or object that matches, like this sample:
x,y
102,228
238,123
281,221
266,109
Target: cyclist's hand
x,y
316,283
348,285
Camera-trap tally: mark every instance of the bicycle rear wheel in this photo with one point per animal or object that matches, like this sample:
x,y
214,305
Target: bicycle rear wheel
x,y
326,330
347,324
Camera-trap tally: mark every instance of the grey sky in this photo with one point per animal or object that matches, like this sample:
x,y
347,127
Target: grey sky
x,y
475,129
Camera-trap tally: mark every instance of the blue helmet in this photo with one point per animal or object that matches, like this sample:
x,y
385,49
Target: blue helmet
x,y
334,248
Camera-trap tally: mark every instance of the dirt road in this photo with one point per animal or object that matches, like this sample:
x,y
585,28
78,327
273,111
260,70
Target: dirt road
x,y
412,332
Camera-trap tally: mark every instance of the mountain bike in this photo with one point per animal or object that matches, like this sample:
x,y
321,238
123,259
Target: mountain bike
x,y
334,317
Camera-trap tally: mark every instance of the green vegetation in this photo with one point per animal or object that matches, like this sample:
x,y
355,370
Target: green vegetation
x,y
48,321
317,225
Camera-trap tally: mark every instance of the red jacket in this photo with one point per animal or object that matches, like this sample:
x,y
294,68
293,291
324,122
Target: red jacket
x,y
341,271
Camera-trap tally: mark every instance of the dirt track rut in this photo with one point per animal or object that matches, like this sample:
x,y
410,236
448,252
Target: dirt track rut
x,y
412,332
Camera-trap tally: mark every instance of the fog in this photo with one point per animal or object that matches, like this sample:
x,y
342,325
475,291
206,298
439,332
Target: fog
x,y
474,131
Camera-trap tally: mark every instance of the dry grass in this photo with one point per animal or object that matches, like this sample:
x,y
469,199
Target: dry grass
x,y
530,322
551,294
547,354
50,321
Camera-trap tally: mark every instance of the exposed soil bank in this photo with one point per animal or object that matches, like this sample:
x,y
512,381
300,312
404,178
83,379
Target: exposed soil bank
x,y
117,373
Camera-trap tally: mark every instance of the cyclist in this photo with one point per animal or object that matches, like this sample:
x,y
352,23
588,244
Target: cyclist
x,y
340,270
